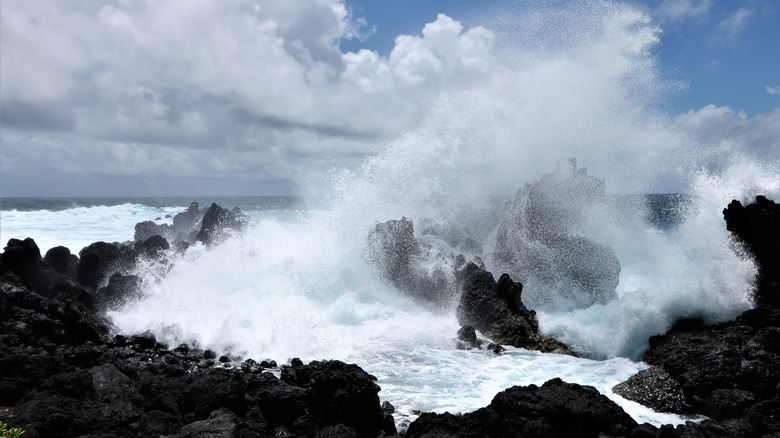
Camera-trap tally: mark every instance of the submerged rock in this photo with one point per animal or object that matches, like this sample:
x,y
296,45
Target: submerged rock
x,y
545,241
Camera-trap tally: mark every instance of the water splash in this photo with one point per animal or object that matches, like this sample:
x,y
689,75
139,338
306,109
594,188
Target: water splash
x,y
578,84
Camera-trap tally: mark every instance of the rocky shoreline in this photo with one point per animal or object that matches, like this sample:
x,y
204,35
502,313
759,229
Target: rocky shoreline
x,y
65,372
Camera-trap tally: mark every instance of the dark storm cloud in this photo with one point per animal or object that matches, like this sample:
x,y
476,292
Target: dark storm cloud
x,y
36,116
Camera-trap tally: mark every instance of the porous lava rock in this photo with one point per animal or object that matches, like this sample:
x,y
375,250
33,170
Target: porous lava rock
x,y
555,409
757,227
734,362
217,219
656,389
495,308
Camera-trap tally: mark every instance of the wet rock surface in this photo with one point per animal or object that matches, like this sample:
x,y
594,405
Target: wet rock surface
x,y
399,257
544,241
495,308
61,375
723,369
730,371
64,373
656,389
555,409
757,227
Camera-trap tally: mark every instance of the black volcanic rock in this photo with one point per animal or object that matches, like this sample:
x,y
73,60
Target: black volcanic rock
x,y
152,247
119,290
757,226
217,219
100,260
543,241
184,227
186,221
400,258
341,394
496,310
733,363
556,409
656,389
146,229
62,261
61,375
21,260
391,246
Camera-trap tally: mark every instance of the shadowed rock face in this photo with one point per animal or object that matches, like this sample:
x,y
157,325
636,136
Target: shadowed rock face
x,y
399,257
61,375
183,229
656,389
735,361
543,241
100,260
556,409
757,227
216,220
496,309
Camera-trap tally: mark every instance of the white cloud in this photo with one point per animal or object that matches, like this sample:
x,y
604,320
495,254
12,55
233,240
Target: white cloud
x,y
724,132
731,27
679,10
260,91
774,91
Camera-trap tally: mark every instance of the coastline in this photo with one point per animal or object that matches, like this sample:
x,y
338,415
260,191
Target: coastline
x,y
61,350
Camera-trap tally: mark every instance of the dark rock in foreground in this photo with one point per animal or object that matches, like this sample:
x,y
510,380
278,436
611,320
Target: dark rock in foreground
x,y
727,369
556,409
656,389
730,371
496,310
61,376
757,226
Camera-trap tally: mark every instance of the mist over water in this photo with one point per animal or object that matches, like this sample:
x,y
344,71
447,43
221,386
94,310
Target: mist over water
x,y
580,82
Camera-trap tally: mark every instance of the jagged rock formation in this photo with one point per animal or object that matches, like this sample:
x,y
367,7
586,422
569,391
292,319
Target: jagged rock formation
x,y
216,220
757,227
62,375
496,310
184,228
555,409
656,389
403,260
543,242
725,370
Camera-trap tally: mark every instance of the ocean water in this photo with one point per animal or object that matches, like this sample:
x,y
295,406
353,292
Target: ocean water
x,y
297,284
578,80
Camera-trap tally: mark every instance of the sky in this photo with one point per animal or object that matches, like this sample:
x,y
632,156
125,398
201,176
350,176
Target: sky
x,y
275,97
